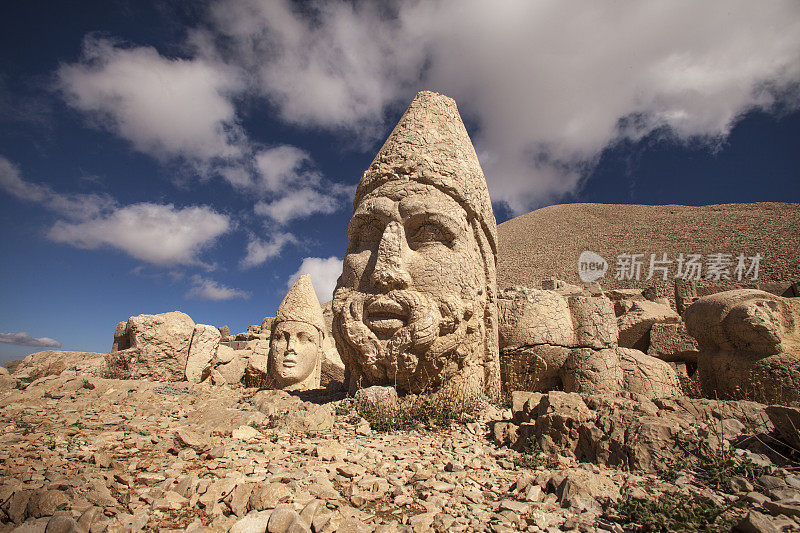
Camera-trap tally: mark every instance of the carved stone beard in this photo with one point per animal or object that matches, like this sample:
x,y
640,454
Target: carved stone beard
x,y
439,337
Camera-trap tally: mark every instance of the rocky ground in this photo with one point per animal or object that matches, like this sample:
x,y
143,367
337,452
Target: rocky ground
x,y
91,454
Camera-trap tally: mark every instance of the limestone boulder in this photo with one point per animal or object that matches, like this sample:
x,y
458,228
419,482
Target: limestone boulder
x,y
540,330
203,347
292,414
224,355
620,431
256,373
635,323
648,376
533,368
672,342
54,362
532,317
594,321
163,342
749,345
121,338
592,371
232,372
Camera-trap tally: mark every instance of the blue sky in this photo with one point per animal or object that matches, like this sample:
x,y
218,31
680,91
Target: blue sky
x,y
200,155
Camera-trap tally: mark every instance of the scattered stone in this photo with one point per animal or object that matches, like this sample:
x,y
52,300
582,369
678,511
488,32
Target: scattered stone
x,y
255,522
756,522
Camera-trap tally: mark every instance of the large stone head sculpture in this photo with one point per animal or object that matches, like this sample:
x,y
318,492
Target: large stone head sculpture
x,y
749,345
296,340
416,306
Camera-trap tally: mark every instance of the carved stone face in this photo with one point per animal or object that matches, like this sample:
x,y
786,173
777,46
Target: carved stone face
x,y
409,307
295,349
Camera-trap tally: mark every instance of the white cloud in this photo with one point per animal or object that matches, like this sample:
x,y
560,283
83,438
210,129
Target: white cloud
x,y
208,289
159,234
336,67
23,338
301,203
283,166
167,108
549,85
324,273
75,206
182,110
258,250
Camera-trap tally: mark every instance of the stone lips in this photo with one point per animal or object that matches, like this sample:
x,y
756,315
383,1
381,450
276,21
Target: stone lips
x,y
547,242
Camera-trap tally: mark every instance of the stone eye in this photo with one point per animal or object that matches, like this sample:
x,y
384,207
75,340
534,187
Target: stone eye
x,y
429,233
365,233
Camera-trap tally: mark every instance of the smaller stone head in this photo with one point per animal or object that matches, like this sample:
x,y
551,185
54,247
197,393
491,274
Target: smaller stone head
x,y
296,340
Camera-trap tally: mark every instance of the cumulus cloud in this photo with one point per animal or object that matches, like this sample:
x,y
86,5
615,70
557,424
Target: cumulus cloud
x,y
208,289
285,165
157,233
548,85
336,65
324,273
182,109
302,203
23,338
166,107
74,206
259,250
164,235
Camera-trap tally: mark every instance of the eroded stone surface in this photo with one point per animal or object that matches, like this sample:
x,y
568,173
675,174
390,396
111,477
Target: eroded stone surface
x,y
205,342
635,323
625,430
416,306
87,454
672,342
158,347
749,345
297,340
552,342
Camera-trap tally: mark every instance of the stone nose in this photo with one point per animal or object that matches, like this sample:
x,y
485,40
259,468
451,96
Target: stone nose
x,y
389,272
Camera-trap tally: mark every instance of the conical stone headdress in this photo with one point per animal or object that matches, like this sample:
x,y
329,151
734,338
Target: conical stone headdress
x,y
430,145
301,304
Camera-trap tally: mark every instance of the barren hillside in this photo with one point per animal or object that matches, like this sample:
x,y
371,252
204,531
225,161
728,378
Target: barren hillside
x,y
547,242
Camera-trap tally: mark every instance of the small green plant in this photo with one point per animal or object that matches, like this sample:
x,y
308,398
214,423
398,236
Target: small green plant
x,y
713,462
670,512
341,410
430,411
717,467
270,423
532,456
